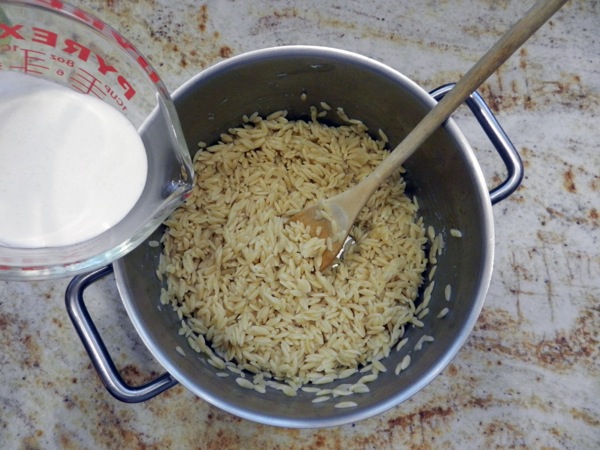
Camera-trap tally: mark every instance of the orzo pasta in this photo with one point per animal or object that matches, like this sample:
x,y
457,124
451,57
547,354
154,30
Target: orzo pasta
x,y
246,284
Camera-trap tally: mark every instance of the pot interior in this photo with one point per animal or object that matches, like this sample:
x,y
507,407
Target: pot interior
x,y
443,175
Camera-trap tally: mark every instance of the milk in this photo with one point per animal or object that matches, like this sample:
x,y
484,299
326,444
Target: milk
x,y
71,166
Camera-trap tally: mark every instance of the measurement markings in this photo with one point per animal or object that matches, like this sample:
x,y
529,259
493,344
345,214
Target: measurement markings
x,y
83,81
33,62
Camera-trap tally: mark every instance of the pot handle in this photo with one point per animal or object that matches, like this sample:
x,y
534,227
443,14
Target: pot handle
x,y
96,349
501,142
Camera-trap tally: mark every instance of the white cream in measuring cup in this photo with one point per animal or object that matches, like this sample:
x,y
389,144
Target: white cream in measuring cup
x,y
71,166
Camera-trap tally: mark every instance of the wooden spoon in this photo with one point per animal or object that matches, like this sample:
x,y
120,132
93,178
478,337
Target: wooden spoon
x,y
344,208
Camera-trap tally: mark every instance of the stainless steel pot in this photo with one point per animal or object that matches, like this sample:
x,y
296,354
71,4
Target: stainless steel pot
x,y
444,175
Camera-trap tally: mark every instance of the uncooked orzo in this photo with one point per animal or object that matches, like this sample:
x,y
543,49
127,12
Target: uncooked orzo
x,y
246,283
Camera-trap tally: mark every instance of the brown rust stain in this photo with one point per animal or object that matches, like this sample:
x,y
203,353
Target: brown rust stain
x,y
585,416
33,352
584,217
555,214
569,180
593,216
526,155
523,58
33,441
286,13
522,271
173,39
203,17
437,412
273,20
529,90
503,431
15,334
135,377
65,438
57,322
225,52
493,99
579,345
452,370
517,197
5,321
425,415
477,30
114,424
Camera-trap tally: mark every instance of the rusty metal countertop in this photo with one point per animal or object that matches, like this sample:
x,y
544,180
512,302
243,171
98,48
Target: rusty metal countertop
x,y
528,376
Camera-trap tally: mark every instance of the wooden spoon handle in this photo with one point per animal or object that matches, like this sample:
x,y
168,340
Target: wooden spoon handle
x,y
483,69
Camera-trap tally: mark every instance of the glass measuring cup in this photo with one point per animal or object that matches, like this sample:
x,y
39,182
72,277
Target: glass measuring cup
x,y
53,40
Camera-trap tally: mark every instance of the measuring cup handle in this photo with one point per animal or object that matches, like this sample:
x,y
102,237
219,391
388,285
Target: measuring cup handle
x,y
501,142
97,350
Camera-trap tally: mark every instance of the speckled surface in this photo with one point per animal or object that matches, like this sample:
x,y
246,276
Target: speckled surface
x,y
528,376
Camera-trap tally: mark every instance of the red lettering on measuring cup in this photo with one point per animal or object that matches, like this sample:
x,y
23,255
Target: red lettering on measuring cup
x,y
146,66
10,32
104,68
56,4
121,41
33,60
76,49
44,37
118,100
129,91
89,19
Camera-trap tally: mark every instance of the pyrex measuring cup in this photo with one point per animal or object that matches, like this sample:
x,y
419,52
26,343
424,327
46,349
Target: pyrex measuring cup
x,y
56,41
